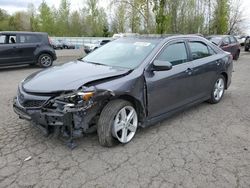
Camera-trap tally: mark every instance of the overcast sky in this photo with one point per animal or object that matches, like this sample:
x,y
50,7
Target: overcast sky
x,y
18,5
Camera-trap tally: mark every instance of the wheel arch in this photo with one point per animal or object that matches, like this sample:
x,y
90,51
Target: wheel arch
x,y
137,104
44,52
224,74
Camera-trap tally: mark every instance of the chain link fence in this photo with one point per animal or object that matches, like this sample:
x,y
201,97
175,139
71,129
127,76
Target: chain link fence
x,y
80,42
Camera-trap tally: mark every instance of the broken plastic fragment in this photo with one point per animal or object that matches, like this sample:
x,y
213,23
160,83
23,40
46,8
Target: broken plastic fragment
x,y
27,159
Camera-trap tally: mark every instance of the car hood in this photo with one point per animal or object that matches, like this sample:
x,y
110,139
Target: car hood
x,y
70,76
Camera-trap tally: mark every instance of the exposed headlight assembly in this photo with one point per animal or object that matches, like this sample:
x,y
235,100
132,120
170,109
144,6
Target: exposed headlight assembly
x,y
77,97
74,101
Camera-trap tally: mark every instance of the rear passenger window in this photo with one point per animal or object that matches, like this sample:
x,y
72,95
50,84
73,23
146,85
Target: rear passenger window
x,y
29,38
199,50
174,53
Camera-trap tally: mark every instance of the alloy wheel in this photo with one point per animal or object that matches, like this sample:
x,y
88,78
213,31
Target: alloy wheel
x,y
46,61
219,89
125,124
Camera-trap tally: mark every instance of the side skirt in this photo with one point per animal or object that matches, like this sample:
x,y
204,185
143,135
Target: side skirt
x,y
154,120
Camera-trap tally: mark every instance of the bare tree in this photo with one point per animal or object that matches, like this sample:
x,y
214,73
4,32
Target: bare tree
x,y
236,18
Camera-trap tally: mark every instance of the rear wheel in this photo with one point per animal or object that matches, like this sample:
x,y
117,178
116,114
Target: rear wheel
x,y
45,60
218,90
118,122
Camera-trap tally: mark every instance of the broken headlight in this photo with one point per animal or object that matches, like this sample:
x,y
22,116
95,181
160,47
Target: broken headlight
x,y
78,97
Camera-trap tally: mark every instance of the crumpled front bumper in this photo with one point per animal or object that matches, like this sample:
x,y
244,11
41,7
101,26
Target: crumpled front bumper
x,y
46,121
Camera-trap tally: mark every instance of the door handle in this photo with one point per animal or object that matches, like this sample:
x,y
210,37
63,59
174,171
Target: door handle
x,y
189,71
218,62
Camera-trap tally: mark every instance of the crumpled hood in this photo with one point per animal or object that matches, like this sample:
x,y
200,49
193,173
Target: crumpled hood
x,y
70,76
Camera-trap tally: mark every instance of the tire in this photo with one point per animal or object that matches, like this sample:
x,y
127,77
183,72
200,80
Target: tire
x,y
45,61
110,121
217,96
246,49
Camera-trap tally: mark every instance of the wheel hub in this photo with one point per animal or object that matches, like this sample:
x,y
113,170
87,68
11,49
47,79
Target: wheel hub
x,y
125,124
219,89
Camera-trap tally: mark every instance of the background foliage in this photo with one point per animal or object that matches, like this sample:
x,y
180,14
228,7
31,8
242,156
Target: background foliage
x,y
137,16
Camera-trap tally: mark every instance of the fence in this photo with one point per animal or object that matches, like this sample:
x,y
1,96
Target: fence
x,y
81,41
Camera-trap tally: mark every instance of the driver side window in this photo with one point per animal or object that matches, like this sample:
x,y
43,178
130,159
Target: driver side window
x,y
174,53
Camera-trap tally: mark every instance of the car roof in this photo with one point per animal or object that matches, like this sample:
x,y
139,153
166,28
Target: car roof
x,y
220,36
164,37
22,32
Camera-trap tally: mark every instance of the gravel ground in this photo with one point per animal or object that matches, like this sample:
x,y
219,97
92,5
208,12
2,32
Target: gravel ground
x,y
205,146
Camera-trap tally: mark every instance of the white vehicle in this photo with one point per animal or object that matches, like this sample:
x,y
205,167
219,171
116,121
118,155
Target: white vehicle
x,y
241,40
119,35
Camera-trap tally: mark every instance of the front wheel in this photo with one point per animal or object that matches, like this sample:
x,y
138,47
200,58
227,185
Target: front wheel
x,y
218,90
118,122
45,60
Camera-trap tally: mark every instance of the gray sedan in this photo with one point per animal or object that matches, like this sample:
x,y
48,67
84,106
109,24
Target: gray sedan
x,y
127,83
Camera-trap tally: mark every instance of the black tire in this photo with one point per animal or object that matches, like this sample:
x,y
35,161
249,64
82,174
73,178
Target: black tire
x,y
42,63
246,49
213,99
106,121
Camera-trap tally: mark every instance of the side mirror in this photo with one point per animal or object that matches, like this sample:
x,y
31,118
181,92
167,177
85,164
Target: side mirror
x,y
161,65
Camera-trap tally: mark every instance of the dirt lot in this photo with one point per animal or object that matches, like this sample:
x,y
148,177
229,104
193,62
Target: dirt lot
x,y
206,146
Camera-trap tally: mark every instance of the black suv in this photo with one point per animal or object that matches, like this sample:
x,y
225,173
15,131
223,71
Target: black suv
x,y
26,48
247,43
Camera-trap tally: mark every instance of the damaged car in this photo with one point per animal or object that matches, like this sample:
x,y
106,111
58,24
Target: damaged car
x,y
128,83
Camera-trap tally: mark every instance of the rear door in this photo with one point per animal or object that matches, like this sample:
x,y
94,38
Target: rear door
x,y
234,45
9,53
168,90
206,65
27,46
226,45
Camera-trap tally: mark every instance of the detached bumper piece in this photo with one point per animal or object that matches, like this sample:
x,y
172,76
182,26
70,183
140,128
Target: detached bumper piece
x,y
50,122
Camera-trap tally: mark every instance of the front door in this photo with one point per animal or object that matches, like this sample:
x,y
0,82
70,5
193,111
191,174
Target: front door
x,y
9,53
169,90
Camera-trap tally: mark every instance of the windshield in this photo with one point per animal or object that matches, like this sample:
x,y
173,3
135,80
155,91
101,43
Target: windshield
x,y
215,40
122,53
